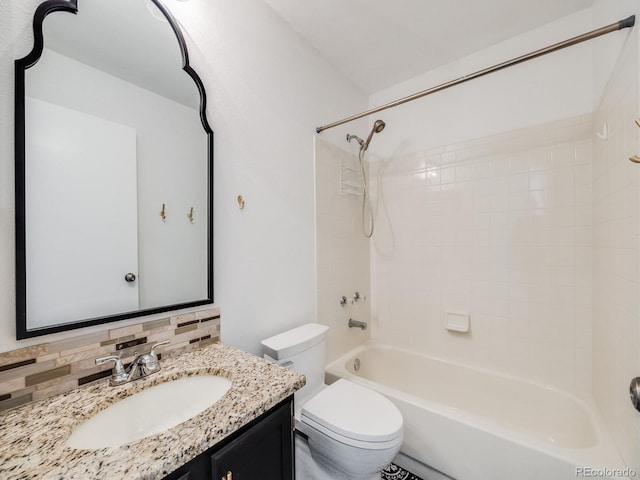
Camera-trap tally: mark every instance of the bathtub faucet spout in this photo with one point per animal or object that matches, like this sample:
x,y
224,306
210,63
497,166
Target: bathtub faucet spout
x,y
356,324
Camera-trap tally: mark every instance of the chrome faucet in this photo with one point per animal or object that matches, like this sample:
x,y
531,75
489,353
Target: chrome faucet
x,y
356,324
142,366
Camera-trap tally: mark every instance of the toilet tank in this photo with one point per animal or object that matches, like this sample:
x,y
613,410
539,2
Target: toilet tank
x,y
302,349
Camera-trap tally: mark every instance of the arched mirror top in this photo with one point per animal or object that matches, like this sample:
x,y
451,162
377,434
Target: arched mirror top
x,y
112,14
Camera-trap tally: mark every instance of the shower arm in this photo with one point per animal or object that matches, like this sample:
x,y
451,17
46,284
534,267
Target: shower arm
x,y
626,23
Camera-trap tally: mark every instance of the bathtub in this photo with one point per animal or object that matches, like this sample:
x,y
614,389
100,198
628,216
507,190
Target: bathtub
x,y
474,424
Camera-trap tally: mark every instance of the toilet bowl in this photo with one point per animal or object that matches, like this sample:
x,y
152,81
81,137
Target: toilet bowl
x,y
343,431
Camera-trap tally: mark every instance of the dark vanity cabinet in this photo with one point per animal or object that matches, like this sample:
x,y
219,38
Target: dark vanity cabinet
x,y
262,450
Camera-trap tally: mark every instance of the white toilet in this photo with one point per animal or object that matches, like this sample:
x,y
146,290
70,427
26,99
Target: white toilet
x,y
348,431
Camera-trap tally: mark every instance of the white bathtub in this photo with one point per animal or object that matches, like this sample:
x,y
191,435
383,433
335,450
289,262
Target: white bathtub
x,y
473,424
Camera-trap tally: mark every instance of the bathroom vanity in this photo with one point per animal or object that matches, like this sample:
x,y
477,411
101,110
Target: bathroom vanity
x,y
262,450
246,434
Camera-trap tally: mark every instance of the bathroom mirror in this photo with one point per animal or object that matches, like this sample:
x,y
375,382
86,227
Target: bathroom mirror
x,y
114,168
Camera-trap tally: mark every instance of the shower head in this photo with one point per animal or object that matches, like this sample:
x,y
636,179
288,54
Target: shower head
x,y
378,126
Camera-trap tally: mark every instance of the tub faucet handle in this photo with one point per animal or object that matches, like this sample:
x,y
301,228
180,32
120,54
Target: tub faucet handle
x,y
343,300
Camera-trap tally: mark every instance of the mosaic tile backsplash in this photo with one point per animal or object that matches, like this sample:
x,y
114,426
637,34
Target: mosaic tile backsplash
x,y
40,371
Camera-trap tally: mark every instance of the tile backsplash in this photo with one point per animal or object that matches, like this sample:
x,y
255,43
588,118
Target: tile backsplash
x,y
47,369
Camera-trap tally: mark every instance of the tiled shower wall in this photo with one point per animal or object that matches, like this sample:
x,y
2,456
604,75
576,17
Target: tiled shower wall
x,y
500,228
616,212
342,251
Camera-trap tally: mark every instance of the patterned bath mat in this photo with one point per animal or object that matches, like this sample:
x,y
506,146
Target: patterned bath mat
x,y
394,472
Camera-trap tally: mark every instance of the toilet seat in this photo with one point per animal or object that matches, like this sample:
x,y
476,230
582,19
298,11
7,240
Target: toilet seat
x,y
354,415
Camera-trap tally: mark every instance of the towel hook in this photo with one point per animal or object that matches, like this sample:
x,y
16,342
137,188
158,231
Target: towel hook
x,y
190,215
163,213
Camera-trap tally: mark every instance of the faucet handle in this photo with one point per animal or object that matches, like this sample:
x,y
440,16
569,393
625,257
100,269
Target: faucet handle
x,y
156,345
111,358
118,371
149,361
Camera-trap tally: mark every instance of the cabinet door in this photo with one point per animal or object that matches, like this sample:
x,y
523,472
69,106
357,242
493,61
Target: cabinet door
x,y
196,469
265,452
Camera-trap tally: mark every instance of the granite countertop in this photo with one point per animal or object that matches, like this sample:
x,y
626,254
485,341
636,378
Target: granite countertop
x,y
34,435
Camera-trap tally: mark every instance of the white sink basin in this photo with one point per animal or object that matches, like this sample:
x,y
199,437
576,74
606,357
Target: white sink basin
x,y
149,412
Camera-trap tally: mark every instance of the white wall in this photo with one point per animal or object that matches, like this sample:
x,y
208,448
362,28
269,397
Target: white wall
x,y
549,88
607,49
267,91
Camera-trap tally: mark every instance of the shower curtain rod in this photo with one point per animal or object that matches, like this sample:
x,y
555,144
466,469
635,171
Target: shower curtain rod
x,y
626,23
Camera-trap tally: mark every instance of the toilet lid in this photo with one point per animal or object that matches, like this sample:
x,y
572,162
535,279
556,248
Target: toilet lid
x,y
354,412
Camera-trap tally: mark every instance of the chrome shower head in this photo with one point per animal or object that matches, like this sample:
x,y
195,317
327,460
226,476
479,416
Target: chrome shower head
x,y
378,126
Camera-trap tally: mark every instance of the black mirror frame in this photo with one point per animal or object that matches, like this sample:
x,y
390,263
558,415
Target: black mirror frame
x,y
21,65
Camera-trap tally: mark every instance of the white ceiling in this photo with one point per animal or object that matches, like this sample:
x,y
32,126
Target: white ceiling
x,y
378,43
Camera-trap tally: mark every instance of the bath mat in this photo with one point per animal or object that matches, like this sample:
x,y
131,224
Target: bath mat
x,y
394,472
